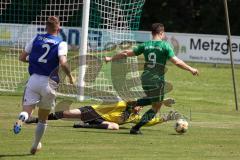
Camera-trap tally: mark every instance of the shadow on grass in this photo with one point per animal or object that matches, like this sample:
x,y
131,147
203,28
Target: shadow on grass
x,y
124,128
56,126
15,155
104,131
52,125
71,126
176,134
100,131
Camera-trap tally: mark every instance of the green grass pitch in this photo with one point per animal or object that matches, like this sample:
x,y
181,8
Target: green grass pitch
x,y
214,132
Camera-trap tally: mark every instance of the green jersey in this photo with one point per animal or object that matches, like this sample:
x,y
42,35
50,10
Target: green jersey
x,y
156,54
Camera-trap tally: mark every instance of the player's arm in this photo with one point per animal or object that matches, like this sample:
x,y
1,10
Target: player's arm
x,y
178,62
24,57
127,53
63,63
121,55
181,64
62,55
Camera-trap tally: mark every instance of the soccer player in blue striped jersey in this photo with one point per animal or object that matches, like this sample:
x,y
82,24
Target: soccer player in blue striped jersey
x,y
44,53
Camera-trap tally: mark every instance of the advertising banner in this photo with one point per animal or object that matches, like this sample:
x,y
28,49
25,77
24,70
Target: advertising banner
x,y
189,47
204,48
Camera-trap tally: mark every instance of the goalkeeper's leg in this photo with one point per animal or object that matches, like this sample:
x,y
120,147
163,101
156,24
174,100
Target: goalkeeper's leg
x,y
74,113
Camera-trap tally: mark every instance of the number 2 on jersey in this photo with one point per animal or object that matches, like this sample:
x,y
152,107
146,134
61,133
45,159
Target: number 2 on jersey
x,y
152,60
41,59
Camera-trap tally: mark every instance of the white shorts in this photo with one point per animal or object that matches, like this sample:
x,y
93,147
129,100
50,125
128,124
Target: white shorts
x,y
40,92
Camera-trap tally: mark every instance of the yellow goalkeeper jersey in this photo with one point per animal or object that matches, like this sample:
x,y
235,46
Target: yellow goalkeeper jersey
x,y
115,113
111,112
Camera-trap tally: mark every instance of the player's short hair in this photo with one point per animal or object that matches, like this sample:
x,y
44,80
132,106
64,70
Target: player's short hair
x,y
52,23
157,28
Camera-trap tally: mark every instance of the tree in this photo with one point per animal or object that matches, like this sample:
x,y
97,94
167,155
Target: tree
x,y
191,16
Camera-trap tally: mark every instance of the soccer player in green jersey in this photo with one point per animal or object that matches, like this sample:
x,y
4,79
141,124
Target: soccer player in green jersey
x,y
156,53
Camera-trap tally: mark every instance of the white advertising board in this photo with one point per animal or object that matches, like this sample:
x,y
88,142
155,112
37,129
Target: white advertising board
x,y
204,48
189,47
199,47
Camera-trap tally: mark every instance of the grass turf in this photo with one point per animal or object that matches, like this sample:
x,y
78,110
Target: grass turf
x,y
213,133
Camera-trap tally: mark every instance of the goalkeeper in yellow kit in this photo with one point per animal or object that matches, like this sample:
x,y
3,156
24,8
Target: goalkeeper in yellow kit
x,y
108,116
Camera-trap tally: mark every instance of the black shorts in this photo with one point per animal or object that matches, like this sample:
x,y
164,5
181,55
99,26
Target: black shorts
x,y
89,115
154,90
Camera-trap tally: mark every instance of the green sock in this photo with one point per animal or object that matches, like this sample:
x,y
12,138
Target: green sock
x,y
148,116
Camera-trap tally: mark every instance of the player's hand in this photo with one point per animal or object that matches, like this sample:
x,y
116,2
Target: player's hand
x,y
71,80
137,109
107,59
194,72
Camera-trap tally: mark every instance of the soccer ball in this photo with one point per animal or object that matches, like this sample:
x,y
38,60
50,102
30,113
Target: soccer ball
x,y
181,126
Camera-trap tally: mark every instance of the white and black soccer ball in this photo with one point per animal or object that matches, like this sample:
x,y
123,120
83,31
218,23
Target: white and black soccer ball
x,y
181,126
